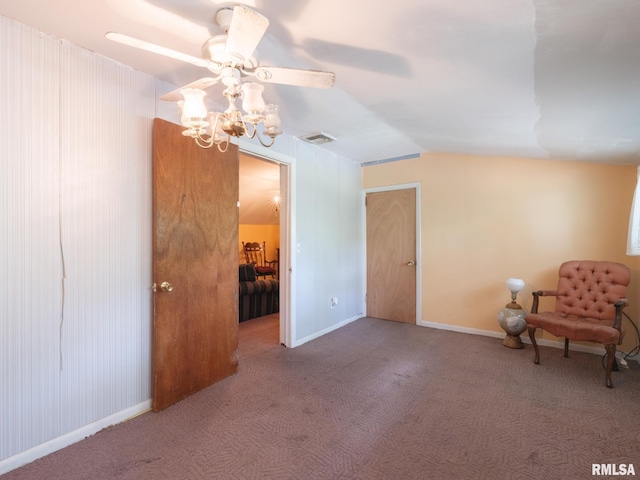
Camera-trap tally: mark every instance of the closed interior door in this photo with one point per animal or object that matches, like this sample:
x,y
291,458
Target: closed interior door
x,y
391,255
195,239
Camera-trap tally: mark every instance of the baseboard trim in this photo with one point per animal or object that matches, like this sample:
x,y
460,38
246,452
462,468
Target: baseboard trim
x,y
525,339
44,449
297,343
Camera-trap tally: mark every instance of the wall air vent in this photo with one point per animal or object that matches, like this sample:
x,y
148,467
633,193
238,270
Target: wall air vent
x,y
318,138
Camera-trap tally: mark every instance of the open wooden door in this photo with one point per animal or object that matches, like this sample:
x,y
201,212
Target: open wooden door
x,y
391,255
195,241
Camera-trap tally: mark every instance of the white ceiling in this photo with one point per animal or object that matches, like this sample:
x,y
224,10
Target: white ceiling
x,y
534,78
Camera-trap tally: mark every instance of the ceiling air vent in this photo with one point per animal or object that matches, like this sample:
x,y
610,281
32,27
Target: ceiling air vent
x,y
318,138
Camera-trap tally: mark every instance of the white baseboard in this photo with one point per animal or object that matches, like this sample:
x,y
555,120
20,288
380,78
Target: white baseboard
x,y
44,449
525,339
297,343
456,328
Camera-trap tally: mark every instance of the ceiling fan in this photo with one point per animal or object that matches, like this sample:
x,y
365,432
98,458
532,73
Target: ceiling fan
x,y
230,57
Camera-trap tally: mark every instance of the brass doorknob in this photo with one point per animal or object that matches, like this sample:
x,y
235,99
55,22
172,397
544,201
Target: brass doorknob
x,y
166,287
411,263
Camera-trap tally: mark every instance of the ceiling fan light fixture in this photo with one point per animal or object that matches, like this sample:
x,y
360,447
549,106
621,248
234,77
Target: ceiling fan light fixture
x,y
215,128
232,57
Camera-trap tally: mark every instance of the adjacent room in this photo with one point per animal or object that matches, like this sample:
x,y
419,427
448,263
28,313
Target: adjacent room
x,y
259,248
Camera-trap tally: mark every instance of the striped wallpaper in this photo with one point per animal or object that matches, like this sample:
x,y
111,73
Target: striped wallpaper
x,y
75,305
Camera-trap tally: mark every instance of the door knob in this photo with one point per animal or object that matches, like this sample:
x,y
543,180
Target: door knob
x,y
164,286
411,263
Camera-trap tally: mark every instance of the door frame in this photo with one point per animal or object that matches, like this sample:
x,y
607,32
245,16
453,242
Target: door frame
x,y
287,235
418,269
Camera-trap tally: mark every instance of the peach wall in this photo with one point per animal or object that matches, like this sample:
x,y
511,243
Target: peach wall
x,y
259,233
484,219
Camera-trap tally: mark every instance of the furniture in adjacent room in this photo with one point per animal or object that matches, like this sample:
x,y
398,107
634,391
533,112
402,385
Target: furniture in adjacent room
x,y
256,297
590,298
255,253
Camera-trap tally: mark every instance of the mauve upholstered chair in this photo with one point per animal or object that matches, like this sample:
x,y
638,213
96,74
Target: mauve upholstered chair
x,y
589,301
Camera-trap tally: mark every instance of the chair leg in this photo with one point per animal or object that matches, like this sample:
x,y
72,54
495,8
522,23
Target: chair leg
x,y
532,336
611,355
566,348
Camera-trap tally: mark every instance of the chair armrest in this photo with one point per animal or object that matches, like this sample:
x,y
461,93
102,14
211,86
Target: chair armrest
x,y
623,302
620,304
541,293
546,293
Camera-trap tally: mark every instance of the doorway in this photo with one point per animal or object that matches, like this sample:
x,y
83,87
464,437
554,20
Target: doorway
x,y
263,215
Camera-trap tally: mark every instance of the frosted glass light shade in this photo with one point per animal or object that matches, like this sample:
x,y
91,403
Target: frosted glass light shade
x,y
271,117
193,107
515,284
252,101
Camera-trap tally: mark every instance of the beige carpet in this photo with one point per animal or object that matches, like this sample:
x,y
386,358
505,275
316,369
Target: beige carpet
x,y
377,400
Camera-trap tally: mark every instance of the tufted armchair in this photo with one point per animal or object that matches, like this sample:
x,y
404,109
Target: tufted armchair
x,y
589,302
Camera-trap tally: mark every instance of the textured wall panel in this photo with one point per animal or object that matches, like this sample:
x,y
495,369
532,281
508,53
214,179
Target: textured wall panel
x,y
328,224
31,295
75,159
106,233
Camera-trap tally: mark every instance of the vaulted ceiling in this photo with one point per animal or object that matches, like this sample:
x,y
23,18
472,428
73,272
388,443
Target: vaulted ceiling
x,y
555,79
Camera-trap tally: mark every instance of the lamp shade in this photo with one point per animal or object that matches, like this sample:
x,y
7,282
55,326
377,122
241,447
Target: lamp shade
x,y
515,284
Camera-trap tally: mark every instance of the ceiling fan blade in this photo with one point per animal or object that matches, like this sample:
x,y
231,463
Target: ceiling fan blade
x,y
294,76
202,84
152,47
245,32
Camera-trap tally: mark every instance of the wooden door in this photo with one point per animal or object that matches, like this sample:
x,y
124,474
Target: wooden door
x,y
195,240
391,255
